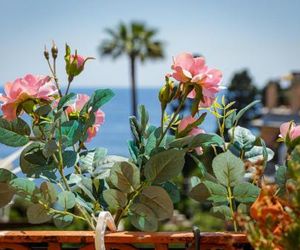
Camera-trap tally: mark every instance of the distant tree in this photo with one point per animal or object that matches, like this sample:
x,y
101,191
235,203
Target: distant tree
x,y
137,42
243,91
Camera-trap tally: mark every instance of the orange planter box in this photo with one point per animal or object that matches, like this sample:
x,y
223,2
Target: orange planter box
x,y
54,240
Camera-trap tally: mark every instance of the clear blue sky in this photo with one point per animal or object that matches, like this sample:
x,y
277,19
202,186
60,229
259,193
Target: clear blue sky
x,y
262,35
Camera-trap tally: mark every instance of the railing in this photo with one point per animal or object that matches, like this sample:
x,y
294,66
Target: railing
x,y
84,240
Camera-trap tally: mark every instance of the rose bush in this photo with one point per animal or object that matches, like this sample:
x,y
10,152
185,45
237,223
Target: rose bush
x,y
78,183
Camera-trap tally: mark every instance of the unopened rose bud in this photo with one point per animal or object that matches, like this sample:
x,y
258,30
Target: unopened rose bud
x,y
46,53
166,93
54,51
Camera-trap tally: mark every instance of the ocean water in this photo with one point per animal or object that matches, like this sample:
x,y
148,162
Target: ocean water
x,y
115,132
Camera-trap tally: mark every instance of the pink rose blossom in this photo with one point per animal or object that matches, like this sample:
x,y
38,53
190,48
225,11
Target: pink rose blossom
x,y
290,129
23,89
189,69
195,131
80,60
76,107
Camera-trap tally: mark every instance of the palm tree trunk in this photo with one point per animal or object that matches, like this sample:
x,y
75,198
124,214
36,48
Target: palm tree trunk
x,y
133,87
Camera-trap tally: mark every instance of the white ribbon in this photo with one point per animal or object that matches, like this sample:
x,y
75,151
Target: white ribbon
x,y
105,219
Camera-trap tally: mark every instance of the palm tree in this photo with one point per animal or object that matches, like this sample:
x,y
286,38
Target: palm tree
x,y
137,42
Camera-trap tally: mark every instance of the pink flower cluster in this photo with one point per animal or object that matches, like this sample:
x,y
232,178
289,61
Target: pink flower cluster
x,y
289,129
187,69
76,107
195,131
30,87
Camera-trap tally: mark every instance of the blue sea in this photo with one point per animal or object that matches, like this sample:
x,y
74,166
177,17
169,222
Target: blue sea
x,y
115,132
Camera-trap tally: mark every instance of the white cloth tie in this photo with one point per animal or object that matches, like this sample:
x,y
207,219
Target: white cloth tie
x,y
105,219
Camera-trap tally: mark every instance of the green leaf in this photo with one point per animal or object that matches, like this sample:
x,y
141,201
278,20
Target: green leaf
x,y
144,117
172,191
50,148
87,205
66,200
98,99
257,153
199,164
71,131
143,218
158,200
281,178
228,169
125,176
222,211
199,192
65,100
243,138
6,194
23,187
206,140
164,165
218,192
91,159
195,180
86,186
61,221
14,133
49,192
43,110
151,142
244,110
135,128
246,192
104,166
230,119
114,198
6,176
37,214
181,142
34,164
70,158
133,150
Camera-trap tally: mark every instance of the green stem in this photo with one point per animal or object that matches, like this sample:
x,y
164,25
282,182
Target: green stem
x,y
66,213
164,132
61,171
70,79
122,211
55,78
230,199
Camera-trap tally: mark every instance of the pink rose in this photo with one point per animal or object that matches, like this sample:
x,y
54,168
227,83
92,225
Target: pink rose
x,y
80,60
290,129
189,69
76,107
195,131
29,87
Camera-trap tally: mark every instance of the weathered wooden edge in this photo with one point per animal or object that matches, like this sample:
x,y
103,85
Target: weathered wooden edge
x,y
216,238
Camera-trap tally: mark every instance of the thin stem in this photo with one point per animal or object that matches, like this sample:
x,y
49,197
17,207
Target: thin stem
x,y
66,213
61,171
162,117
230,198
70,79
54,77
122,211
171,122
219,124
